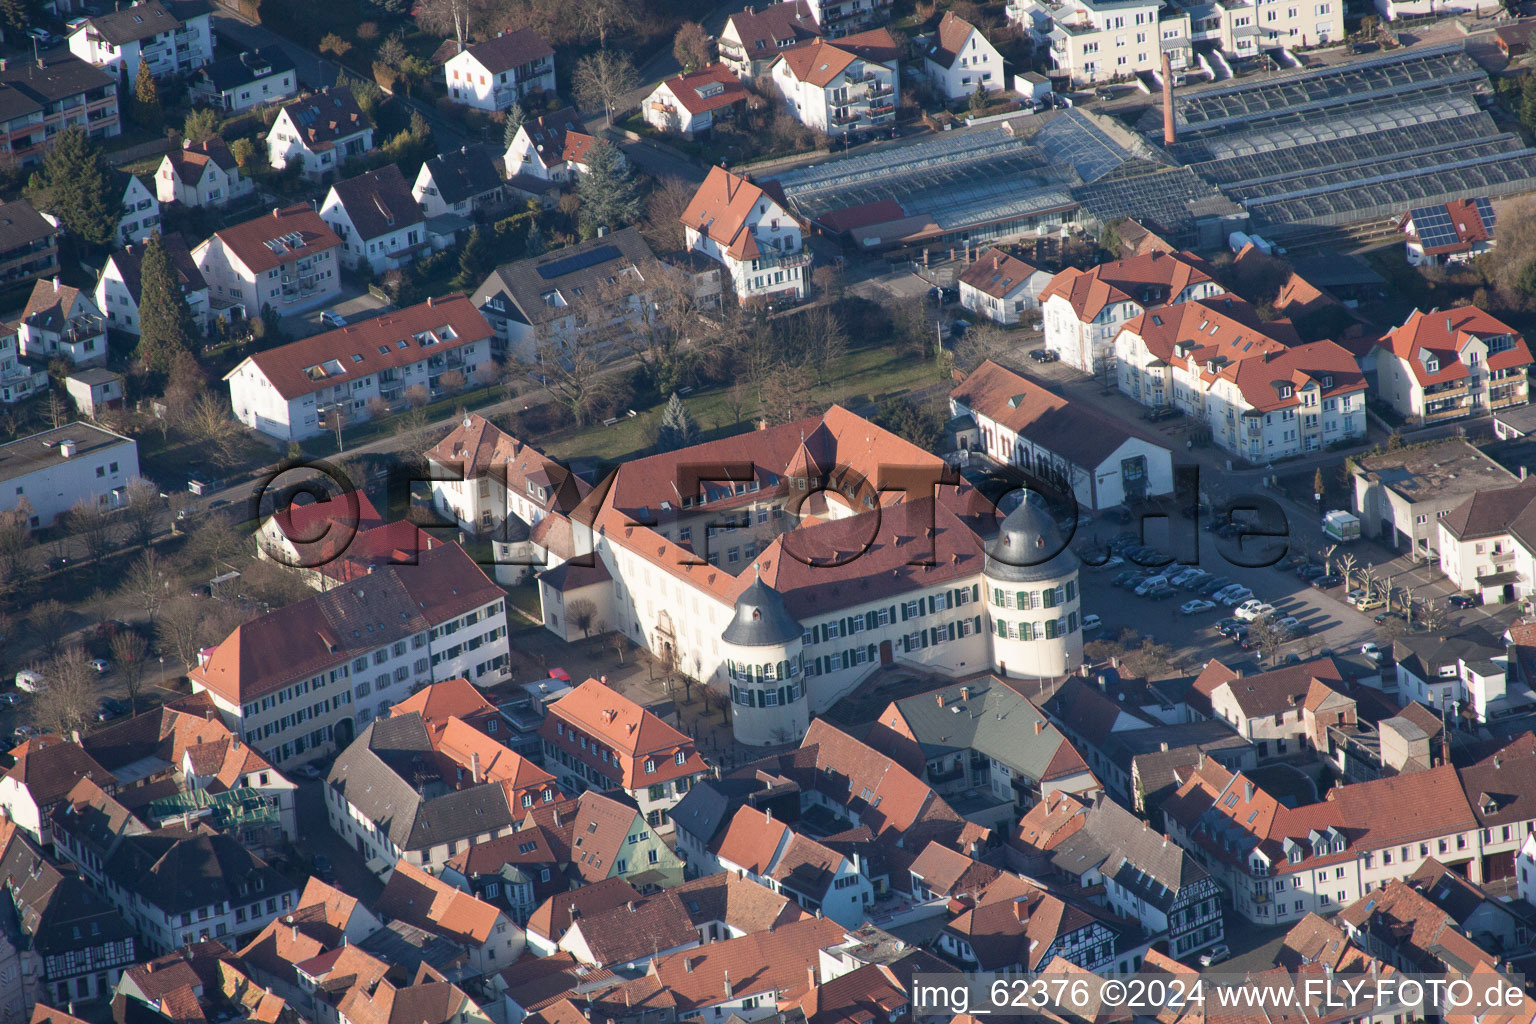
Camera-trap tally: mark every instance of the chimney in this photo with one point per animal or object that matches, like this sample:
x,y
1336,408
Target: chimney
x,y
474,767
729,991
687,965
1020,910
1039,728
939,697
1163,746
1170,130
810,975
56,288
997,262
1247,790
965,693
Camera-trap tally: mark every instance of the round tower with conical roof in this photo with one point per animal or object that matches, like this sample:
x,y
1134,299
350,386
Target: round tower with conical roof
x,y
761,651
1030,579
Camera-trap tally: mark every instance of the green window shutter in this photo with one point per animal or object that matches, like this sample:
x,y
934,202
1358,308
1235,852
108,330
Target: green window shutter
x,y
1001,627
903,612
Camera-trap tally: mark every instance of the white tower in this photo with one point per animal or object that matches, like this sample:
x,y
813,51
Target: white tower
x,y
761,648
1030,578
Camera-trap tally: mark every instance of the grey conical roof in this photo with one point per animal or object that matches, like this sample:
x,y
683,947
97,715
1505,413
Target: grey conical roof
x,y
761,619
1028,546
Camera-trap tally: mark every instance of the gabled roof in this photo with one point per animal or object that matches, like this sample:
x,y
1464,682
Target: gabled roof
x,y
48,767
378,202
587,271
1492,512
327,117
636,930
191,161
764,32
588,834
511,50
55,910
954,31
763,962
629,730
51,303
554,915
721,210
816,62
413,896
406,336
477,447
1151,279
1210,337
1451,227
708,89
559,137
1419,934
1438,338
282,236
1501,788
1278,379
998,273
245,68
465,173
143,20
1284,688
130,261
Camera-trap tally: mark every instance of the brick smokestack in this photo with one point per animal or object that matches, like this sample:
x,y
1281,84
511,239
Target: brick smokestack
x,y
1170,131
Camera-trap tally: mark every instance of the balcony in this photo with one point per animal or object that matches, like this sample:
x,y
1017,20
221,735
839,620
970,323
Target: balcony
x,y
881,110
1502,557
778,261
1446,412
845,119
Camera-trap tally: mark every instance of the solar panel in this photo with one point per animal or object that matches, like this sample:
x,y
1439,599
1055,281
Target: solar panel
x,y
1485,211
580,261
1434,226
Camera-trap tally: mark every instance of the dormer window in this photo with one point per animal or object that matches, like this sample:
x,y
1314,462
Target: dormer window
x,y
1327,380
1286,391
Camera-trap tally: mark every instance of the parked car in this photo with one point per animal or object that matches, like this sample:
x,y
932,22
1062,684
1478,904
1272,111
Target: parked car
x,y
1157,415
1150,584
1196,606
333,318
1291,626
1253,611
102,666
1161,593
1091,622
1226,625
1112,562
1370,650
1212,584
1384,616
1128,578
28,681
307,771
1044,355
1187,577
1327,582
324,870
1236,597
1461,601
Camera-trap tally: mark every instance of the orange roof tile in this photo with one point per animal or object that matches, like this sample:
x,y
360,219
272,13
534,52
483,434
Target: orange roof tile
x,y
1152,279
634,734
1442,335
720,210
415,897
761,963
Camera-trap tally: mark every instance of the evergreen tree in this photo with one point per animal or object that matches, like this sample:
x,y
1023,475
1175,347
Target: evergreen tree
x,y
475,259
166,329
609,196
516,118
146,99
1528,103
18,14
75,186
678,427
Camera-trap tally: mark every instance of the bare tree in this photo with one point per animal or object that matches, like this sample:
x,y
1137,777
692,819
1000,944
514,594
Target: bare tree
x,y
50,621
1347,564
451,382
602,79
69,701
129,650
210,421
457,18
96,527
16,544
581,613
691,47
664,209
148,583
619,642
570,364
143,512
603,16
179,628
1433,617
824,340
214,543
1267,637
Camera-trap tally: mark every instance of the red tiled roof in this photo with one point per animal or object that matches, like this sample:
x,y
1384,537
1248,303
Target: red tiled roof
x,y
816,61
1152,279
1443,335
560,137
388,342
764,31
326,116
720,210
632,733
765,962
1466,222
415,897
949,40
696,92
997,273
248,241
554,915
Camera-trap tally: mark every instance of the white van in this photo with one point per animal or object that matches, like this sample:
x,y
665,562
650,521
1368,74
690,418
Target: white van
x,y
30,682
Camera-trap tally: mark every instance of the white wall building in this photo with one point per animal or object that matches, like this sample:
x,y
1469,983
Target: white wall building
x,y
19,379
141,211
172,37
51,471
959,60
1001,287
288,260
320,133
118,286
248,80
736,224
202,175
1450,364
835,90
499,72
379,222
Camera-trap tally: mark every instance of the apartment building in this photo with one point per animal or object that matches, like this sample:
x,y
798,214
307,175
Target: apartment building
x,y
596,737
378,220
960,61
847,17
204,174
1015,421
287,261
1453,363
1487,543
489,937
320,133
60,322
19,379
1463,675
174,37
305,679
297,390
834,90
44,96
1083,310
1262,394
1401,495
29,243
119,287
49,472
752,39
820,879
736,224
483,475
499,72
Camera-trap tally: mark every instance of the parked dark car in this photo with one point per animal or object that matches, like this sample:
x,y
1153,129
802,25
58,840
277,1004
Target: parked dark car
x,y
1044,355
1461,600
1165,412
1324,582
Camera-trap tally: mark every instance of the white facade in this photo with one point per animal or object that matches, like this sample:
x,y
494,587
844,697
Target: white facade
x,y
286,144
398,246
1394,9
1525,870
121,306
18,379
180,47
215,186
860,97
141,213
781,267
311,280
471,83
264,82
53,470
1007,308
1089,345
976,64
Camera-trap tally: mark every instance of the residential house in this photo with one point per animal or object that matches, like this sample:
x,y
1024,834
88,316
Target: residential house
x,y
249,79
466,183
413,896
19,379
595,736
45,769
1102,461
836,89
174,37
752,39
1398,925
49,472
290,953
688,104
29,243
1263,394
984,740
1001,287
1452,363
499,72
396,792
288,261
1502,926
1284,711
45,95
60,322
839,18
174,886
141,210
1014,923
547,152
1462,674
1392,10
1145,876
1486,545
554,917
544,299
440,617
294,391
1401,496
201,174
119,286
482,475
80,942
1452,232
820,879
960,60
735,223
702,816
377,219
95,391
767,967
320,133
429,999
1083,310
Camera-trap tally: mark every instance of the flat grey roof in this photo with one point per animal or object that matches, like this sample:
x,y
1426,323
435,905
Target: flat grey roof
x,y
1448,468
39,451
